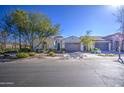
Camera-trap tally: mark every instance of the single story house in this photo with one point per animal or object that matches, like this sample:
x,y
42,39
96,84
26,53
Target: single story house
x,y
73,44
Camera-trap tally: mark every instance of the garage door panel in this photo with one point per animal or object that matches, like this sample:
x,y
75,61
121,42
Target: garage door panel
x,y
72,47
104,46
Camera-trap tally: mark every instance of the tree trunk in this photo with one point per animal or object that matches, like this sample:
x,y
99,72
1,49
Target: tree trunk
x,y
20,40
87,48
15,43
119,53
4,40
31,46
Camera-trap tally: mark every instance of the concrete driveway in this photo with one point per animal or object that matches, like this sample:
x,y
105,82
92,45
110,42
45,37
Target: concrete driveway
x,y
37,72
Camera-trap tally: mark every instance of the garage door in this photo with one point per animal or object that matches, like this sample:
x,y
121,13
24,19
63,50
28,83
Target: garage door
x,y
72,47
104,46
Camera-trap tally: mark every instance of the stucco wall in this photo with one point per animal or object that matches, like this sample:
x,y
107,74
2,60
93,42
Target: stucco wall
x,y
50,43
72,39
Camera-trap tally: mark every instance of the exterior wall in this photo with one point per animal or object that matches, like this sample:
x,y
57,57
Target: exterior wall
x,y
35,43
72,39
82,47
123,45
50,44
114,45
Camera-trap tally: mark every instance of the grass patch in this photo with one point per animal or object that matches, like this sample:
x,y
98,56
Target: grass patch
x,y
106,55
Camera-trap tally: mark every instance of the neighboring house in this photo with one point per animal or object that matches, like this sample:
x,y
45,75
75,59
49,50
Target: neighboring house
x,y
73,44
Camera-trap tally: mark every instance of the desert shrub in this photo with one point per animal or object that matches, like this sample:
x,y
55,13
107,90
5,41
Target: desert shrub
x,y
39,50
63,50
25,50
95,49
22,55
1,52
51,54
52,50
45,50
32,53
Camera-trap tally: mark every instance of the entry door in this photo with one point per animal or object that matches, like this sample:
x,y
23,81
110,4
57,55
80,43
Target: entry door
x,y
58,46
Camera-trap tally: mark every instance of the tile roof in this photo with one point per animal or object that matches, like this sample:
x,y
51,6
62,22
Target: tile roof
x,y
100,38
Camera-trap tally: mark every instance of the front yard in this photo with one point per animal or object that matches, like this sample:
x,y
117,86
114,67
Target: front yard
x,y
67,56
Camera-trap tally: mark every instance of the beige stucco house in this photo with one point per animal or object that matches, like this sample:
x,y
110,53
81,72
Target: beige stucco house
x,y
73,44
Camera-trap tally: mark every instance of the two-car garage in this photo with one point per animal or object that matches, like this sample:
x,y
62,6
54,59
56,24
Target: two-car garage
x,y
75,47
72,44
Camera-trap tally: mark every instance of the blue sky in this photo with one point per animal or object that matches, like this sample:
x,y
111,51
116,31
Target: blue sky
x,y
75,20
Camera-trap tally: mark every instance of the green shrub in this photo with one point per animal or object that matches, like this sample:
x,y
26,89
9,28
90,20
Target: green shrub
x,y
63,50
22,55
32,53
96,50
10,49
25,50
51,54
45,50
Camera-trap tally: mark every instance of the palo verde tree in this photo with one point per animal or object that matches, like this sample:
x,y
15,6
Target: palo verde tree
x,y
87,41
30,26
19,19
44,29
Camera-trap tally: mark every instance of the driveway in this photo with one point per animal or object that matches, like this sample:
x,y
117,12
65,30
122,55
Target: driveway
x,y
38,72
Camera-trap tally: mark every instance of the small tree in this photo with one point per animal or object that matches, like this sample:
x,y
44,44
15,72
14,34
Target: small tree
x,y
45,29
87,41
120,38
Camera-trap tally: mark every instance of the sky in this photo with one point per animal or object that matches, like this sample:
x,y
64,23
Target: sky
x,y
75,20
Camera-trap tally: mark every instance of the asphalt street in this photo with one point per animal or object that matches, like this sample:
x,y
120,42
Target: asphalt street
x,y
37,72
